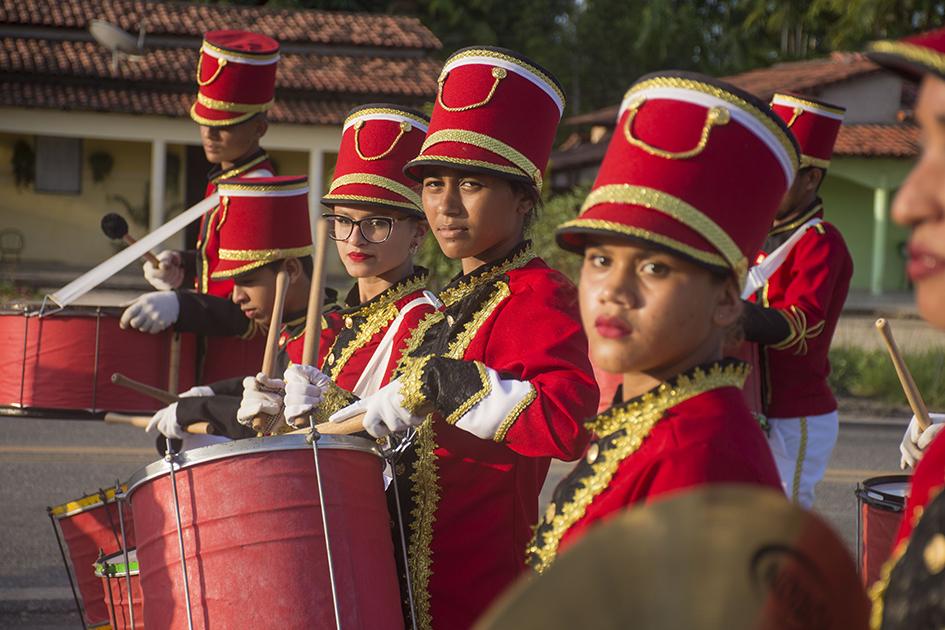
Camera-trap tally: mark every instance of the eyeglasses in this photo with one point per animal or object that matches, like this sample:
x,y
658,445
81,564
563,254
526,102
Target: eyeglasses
x,y
373,229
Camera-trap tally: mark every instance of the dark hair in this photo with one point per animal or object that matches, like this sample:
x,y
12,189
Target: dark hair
x,y
807,169
308,266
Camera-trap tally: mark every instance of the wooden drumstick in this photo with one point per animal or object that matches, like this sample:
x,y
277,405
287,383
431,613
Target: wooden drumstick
x,y
905,376
272,338
115,227
173,365
154,392
352,425
197,428
313,314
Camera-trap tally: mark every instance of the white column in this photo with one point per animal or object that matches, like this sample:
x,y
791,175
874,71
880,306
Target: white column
x,y
880,222
316,185
158,181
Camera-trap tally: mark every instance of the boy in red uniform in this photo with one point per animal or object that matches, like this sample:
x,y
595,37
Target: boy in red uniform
x,y
911,593
236,75
795,308
265,227
685,194
495,384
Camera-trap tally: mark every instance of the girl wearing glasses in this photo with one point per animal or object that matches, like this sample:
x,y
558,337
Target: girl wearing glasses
x,y
377,224
497,383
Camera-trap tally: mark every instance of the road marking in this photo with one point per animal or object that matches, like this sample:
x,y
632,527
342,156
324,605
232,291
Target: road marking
x,y
839,475
76,450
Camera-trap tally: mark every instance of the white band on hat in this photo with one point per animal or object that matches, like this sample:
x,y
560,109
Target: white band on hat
x,y
413,122
789,101
229,191
512,67
216,53
707,100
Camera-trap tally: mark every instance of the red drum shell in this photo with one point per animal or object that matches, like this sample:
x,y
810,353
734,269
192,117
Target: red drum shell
x,y
64,361
116,597
253,537
85,531
880,514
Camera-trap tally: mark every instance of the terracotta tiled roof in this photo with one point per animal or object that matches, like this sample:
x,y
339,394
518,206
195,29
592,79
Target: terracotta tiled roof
x,y
192,20
803,76
325,73
330,61
900,141
155,102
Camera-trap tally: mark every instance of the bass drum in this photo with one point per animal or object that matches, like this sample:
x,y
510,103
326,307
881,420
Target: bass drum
x,y
253,539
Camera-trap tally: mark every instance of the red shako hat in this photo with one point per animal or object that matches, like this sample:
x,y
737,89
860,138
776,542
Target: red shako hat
x,y
377,140
236,76
495,112
815,126
912,56
695,166
263,219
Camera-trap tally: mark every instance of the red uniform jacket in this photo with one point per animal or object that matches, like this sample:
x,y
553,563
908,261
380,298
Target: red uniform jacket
x,y
505,366
692,431
208,240
808,291
361,345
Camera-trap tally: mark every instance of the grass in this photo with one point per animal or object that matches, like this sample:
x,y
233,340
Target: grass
x,y
870,374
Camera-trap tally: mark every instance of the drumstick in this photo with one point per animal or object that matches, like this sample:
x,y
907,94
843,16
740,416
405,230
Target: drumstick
x,y
352,425
197,428
154,392
313,315
272,338
173,365
905,377
115,227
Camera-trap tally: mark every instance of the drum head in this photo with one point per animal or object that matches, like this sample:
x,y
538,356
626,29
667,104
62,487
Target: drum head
x,y
83,504
889,491
726,556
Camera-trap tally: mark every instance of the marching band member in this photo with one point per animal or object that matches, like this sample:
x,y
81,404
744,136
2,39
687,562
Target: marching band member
x,y
236,75
377,222
496,383
685,195
909,592
794,314
264,226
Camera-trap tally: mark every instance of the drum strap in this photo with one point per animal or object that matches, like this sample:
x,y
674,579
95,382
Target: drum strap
x,y
758,275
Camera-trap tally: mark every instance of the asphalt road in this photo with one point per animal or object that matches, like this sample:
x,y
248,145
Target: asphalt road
x,y
48,462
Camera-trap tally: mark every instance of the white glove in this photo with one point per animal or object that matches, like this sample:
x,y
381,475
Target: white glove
x,y
305,386
169,275
915,441
262,396
152,312
197,390
383,411
165,423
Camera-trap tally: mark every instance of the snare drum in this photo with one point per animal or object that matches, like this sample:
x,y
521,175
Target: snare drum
x,y
88,525
60,364
115,575
881,501
253,540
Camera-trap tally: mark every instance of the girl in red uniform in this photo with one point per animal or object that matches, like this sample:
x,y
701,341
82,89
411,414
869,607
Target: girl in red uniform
x,y
684,197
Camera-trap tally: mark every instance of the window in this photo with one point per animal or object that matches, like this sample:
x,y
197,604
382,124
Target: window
x,y
58,165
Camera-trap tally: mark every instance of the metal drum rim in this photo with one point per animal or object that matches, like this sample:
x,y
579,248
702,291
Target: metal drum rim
x,y
225,450
83,504
119,568
73,310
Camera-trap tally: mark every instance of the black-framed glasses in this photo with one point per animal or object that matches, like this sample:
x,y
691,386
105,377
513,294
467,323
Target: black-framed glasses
x,y
373,229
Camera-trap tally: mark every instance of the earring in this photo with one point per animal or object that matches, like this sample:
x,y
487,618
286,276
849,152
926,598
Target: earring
x,y
413,249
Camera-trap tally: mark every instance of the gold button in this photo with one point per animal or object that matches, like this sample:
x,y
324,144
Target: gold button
x,y
550,512
592,452
349,322
331,358
934,554
450,320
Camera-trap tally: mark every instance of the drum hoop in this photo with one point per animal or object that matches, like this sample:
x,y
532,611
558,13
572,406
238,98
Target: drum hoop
x,y
866,490
214,452
118,568
80,310
82,504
